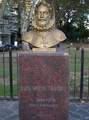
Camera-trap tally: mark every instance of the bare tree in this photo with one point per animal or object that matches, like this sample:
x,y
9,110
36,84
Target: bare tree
x,y
25,18
4,2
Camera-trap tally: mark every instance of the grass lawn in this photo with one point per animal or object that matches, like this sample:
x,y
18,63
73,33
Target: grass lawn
x,y
75,72
5,76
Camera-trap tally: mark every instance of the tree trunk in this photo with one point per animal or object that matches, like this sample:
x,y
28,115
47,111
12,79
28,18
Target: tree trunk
x,y
3,8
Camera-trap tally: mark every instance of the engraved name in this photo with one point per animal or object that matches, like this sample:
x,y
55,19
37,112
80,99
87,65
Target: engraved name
x,y
43,105
44,88
39,100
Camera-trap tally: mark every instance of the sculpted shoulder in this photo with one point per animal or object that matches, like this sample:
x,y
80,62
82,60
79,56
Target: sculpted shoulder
x,y
28,36
59,35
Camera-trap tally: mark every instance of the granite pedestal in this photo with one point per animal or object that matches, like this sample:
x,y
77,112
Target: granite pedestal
x,y
43,86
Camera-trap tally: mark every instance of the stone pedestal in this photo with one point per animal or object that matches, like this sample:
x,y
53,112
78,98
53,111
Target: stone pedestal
x,y
43,86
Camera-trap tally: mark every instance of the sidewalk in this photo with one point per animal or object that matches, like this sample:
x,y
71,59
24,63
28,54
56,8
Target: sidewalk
x,y
10,111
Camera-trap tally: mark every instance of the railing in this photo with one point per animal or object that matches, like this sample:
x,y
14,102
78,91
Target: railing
x,y
9,75
79,75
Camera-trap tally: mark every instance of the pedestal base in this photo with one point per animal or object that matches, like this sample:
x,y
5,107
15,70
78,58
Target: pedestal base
x,y
43,86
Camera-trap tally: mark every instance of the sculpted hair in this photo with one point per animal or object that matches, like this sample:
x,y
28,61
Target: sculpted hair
x,y
45,4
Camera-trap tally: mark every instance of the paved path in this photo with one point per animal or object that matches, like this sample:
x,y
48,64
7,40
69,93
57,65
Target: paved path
x,y
10,111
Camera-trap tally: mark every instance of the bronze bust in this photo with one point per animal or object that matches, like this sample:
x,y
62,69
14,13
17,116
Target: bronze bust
x,y
43,35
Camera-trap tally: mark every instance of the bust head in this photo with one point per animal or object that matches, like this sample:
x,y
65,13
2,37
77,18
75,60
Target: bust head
x,y
43,34
43,13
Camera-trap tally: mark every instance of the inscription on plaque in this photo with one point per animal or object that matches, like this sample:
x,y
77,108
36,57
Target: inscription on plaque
x,y
44,88
43,102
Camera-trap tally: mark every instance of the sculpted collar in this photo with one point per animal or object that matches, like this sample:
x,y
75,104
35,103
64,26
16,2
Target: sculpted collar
x,y
48,27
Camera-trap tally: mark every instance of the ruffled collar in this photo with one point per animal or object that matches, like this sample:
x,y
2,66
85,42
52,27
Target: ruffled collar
x,y
37,28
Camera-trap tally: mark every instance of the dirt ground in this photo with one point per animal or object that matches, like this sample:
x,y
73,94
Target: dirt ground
x,y
76,44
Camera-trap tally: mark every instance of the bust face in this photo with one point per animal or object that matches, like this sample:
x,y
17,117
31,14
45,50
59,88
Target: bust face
x,y
42,16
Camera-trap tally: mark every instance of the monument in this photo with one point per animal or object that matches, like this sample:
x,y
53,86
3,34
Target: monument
x,y
43,35
43,73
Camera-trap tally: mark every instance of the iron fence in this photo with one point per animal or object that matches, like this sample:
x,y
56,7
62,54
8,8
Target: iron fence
x,y
9,75
79,75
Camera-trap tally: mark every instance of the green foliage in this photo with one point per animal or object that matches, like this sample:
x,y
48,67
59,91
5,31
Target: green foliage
x,y
72,34
77,32
70,17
